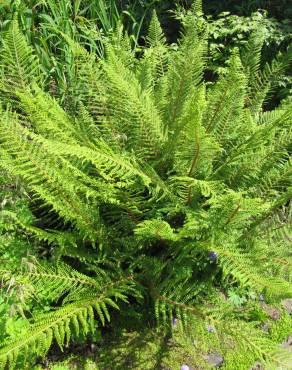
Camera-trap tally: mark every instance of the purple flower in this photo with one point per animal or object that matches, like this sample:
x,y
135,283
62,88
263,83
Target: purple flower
x,y
185,367
213,256
174,322
211,329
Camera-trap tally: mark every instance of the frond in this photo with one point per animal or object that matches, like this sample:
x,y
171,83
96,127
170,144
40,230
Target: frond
x,y
70,319
51,237
22,156
52,282
131,111
184,74
265,80
251,55
43,114
278,228
155,229
195,149
177,305
277,178
155,36
223,114
86,88
121,42
198,7
189,189
154,63
242,267
244,161
19,66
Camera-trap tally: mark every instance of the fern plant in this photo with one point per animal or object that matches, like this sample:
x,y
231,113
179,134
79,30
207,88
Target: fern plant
x,y
152,187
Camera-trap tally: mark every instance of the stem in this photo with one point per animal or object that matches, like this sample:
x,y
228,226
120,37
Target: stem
x,y
232,215
193,166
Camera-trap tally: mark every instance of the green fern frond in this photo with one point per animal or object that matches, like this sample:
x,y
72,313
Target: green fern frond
x,y
265,80
19,66
156,229
240,266
189,189
185,72
51,237
87,297
177,305
132,112
43,114
198,8
54,326
251,56
155,36
29,161
195,149
225,104
155,60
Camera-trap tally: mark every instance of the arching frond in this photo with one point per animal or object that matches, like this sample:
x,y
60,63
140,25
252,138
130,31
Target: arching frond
x,y
76,316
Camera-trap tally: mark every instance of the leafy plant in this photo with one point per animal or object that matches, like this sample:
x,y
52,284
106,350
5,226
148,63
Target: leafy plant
x,y
149,188
229,31
278,9
46,23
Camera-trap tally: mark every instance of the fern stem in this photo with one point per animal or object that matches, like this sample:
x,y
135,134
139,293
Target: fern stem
x,y
232,215
181,305
193,166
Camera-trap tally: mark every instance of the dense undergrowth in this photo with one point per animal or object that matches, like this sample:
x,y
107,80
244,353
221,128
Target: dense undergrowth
x,y
145,208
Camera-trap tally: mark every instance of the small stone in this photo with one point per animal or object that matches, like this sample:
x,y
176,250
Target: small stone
x,y
273,313
261,298
214,359
265,327
223,295
257,366
185,367
230,343
287,343
287,304
93,347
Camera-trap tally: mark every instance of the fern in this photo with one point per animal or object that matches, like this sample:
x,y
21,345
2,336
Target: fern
x,y
19,65
147,185
85,297
155,36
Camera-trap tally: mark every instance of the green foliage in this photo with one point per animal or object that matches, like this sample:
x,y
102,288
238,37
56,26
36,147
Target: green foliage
x,y
279,9
46,23
83,297
228,31
150,191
